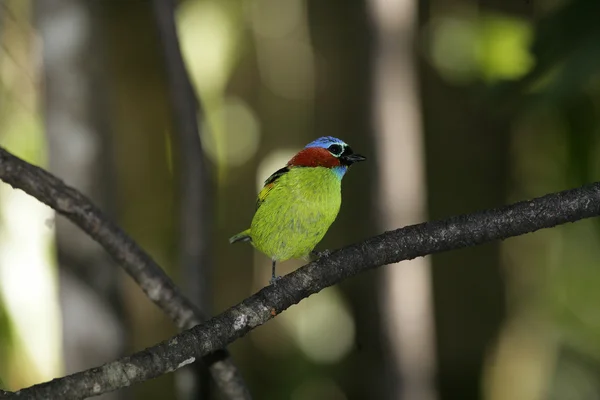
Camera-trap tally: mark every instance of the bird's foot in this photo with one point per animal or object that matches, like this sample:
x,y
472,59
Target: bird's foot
x,y
274,279
318,254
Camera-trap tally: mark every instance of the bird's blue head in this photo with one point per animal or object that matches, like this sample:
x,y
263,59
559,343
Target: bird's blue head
x,y
329,152
325,141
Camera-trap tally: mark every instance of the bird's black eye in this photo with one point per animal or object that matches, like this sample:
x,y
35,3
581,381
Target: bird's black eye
x,y
335,149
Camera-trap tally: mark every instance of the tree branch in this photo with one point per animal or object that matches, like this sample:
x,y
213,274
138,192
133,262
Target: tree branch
x,y
139,265
79,209
391,247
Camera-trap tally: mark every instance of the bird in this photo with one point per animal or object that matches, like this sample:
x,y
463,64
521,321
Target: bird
x,y
299,202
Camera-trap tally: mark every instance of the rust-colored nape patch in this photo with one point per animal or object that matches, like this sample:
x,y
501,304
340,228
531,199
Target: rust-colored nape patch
x,y
314,157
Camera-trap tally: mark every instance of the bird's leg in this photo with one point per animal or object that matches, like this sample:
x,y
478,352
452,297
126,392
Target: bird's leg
x,y
274,278
318,254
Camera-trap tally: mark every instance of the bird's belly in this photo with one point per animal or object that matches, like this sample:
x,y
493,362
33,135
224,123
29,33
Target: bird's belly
x,y
285,227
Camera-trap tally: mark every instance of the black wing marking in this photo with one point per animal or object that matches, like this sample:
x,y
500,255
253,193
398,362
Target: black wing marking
x,y
269,185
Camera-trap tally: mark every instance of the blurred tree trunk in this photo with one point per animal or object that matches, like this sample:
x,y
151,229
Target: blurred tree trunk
x,y
79,150
468,287
401,200
341,33
469,290
139,106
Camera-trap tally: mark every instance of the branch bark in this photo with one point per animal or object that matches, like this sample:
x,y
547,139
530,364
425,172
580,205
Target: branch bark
x,y
204,339
139,265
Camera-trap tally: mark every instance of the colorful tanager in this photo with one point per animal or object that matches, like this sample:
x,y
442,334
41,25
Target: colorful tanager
x,y
299,202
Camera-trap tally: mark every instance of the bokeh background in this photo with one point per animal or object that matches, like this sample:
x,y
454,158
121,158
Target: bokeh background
x,y
459,105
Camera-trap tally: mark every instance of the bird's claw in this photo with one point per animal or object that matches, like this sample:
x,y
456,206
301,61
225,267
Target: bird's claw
x,y
274,279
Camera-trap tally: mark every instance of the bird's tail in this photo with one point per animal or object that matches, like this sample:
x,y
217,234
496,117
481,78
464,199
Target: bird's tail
x,y
241,237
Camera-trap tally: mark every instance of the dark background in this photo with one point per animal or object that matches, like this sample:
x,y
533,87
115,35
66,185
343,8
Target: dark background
x,y
459,105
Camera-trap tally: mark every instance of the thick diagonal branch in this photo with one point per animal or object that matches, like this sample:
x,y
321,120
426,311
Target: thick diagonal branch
x,y
391,247
139,265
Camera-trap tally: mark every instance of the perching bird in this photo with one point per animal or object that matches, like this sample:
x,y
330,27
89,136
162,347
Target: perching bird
x,y
300,201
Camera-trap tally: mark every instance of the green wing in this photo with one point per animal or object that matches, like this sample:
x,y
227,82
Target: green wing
x,y
269,184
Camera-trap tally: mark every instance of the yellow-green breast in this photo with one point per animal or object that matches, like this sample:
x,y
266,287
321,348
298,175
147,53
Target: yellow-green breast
x,y
296,212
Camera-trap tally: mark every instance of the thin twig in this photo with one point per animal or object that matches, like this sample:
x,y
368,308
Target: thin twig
x,y
139,265
195,203
391,247
195,182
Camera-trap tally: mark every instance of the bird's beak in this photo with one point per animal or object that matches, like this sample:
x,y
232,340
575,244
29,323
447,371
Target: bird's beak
x,y
352,158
